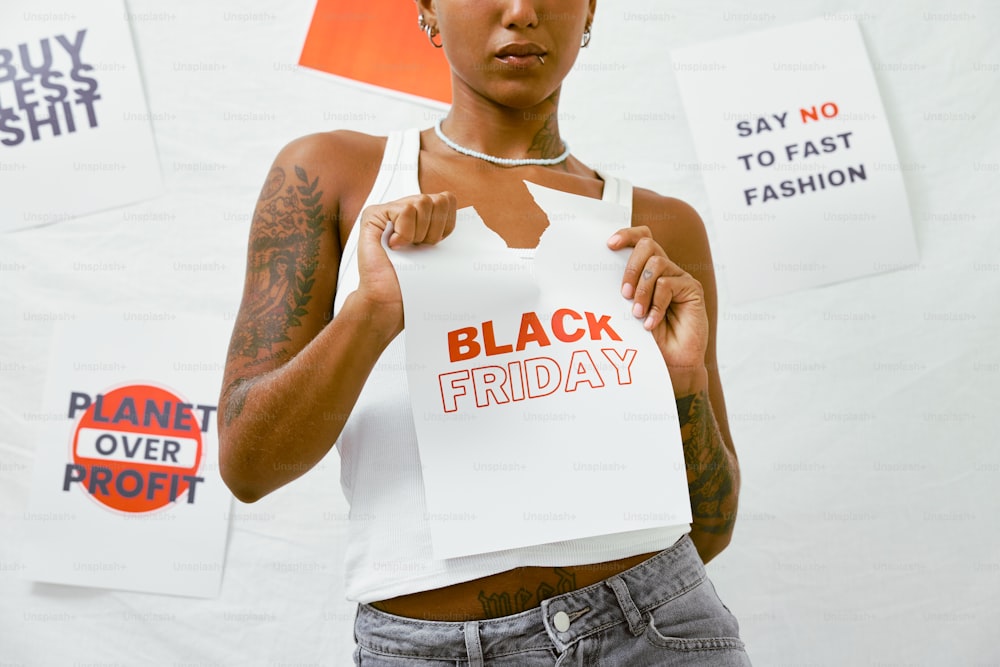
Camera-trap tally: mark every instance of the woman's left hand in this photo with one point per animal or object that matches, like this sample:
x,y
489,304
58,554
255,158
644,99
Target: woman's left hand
x,y
670,301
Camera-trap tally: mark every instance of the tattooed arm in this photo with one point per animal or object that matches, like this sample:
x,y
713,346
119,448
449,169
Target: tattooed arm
x,y
712,467
712,472
292,375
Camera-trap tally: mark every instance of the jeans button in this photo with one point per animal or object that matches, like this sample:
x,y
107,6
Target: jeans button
x,y
561,621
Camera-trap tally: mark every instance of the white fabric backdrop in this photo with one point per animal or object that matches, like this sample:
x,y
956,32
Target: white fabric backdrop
x,y
863,413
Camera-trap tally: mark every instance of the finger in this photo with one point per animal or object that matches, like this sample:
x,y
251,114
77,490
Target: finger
x,y
449,224
676,291
645,286
424,207
372,226
438,219
663,296
643,250
404,224
627,237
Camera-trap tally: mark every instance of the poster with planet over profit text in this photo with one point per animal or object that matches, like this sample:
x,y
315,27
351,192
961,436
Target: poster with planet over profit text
x,y
126,491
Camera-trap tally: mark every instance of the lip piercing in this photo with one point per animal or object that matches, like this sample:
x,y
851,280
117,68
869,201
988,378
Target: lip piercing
x,y
540,59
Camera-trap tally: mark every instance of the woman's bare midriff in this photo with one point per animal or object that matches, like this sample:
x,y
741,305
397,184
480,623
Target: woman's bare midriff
x,y
504,593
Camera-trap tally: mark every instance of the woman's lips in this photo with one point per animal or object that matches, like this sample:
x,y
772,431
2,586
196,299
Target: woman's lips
x,y
522,54
521,61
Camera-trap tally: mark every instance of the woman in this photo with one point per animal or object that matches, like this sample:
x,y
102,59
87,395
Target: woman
x,y
332,366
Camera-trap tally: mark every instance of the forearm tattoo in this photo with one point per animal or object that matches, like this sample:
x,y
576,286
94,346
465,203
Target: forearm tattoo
x,y
710,469
284,255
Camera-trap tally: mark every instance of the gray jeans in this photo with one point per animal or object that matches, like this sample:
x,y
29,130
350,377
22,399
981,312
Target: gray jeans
x,y
663,611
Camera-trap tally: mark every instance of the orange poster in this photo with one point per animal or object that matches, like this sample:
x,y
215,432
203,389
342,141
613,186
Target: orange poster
x,y
376,42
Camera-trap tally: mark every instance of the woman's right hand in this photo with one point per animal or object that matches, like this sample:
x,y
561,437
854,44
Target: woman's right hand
x,y
418,220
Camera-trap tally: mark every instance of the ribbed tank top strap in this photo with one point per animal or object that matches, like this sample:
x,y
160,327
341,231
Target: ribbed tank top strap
x,y
397,177
617,190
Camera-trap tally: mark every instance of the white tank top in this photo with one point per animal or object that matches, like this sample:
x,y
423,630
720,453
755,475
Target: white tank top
x,y
389,549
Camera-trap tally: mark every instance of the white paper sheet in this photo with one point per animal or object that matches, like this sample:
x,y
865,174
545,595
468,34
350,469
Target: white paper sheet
x,y
512,456
75,133
797,158
126,492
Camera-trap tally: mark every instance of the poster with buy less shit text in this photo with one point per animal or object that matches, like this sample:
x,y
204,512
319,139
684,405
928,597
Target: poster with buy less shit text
x,y
126,492
75,132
